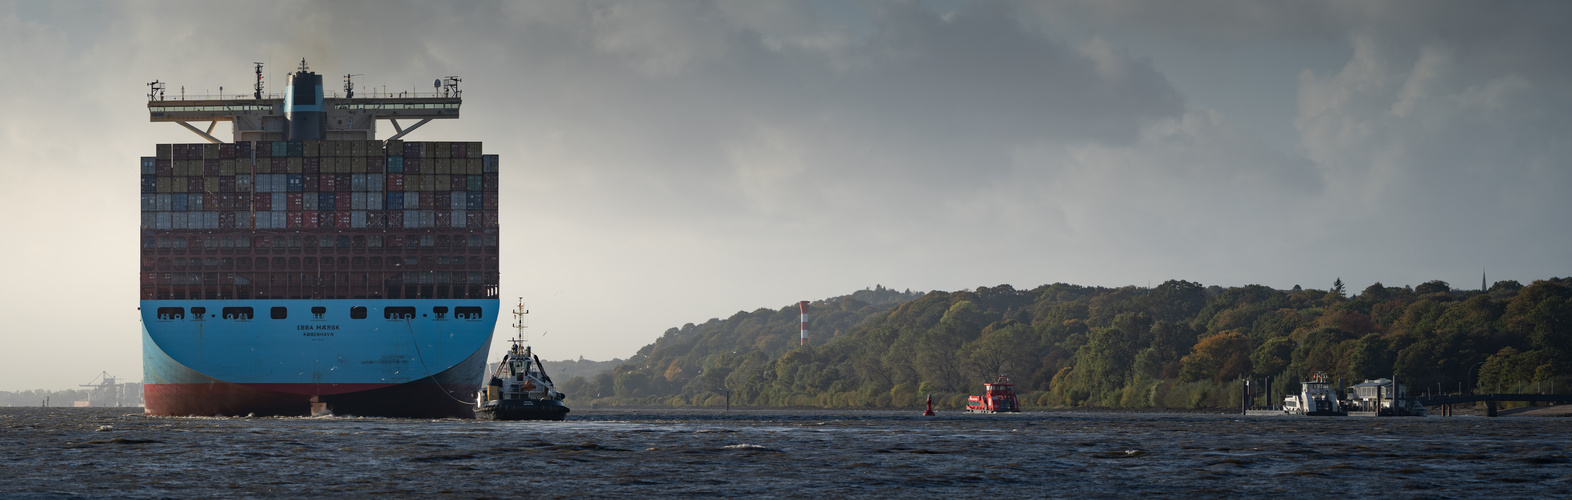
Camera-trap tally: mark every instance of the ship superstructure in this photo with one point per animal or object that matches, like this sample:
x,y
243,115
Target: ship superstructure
x,y
307,265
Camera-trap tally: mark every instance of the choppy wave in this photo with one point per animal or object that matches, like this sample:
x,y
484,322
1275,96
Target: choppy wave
x,y
118,453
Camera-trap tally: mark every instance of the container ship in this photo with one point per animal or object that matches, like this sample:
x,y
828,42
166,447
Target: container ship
x,y
306,266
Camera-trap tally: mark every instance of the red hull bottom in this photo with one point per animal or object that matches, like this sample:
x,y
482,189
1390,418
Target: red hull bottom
x,y
417,400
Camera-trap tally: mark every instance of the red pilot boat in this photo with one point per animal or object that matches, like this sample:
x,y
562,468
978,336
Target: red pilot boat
x,y
998,397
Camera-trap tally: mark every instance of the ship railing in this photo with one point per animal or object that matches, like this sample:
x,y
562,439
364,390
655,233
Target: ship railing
x,y
379,94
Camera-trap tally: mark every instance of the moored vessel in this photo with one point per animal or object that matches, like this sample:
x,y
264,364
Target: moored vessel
x,y
1315,398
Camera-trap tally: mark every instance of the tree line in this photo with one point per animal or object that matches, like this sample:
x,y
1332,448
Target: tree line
x,y
1177,345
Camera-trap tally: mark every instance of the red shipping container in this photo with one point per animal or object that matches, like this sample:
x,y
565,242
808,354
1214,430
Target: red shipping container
x,y
279,165
194,185
491,219
164,168
411,165
395,182
395,219
490,202
293,220
226,184
294,202
226,220
444,219
310,219
310,182
262,202
226,151
311,165
345,183
210,167
489,181
473,219
374,219
327,183
375,164
264,149
440,200
342,201
460,150
341,218
243,149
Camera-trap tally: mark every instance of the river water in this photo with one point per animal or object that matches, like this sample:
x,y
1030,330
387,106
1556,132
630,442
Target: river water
x,y
120,453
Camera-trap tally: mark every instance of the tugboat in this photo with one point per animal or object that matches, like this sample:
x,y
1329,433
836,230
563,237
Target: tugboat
x,y
998,397
1315,398
519,388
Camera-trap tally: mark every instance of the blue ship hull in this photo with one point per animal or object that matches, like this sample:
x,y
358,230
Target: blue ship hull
x,y
408,358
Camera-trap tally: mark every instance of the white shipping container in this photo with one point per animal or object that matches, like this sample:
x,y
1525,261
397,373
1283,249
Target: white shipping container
x,y
179,220
374,201
149,220
412,218
308,201
278,219
357,182
456,200
165,220
280,201
149,203
165,202
209,220
373,182
458,219
242,184
357,201
357,219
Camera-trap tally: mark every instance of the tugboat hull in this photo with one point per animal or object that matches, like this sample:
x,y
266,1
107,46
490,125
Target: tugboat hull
x,y
522,409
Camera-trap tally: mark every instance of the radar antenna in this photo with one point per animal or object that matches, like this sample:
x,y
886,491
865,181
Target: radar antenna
x,y
349,86
303,67
450,86
257,89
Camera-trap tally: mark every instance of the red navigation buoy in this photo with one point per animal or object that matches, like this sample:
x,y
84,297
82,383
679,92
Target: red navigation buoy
x,y
929,412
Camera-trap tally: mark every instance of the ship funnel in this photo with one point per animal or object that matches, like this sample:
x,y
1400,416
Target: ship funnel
x,y
303,109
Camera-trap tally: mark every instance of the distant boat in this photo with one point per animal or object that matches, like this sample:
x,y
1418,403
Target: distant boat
x,y
1315,398
998,397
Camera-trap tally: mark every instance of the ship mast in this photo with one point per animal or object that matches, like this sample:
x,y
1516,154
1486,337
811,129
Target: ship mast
x,y
518,322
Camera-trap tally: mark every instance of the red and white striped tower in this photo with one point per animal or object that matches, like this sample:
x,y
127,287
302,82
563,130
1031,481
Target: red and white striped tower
x,y
803,305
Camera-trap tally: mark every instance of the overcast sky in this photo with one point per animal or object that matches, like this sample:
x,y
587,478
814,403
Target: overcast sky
x,y
671,162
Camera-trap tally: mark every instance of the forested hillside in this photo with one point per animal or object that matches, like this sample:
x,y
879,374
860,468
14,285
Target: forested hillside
x,y
1177,345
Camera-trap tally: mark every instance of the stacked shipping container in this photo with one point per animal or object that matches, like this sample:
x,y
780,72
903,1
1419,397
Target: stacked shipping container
x,y
319,220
